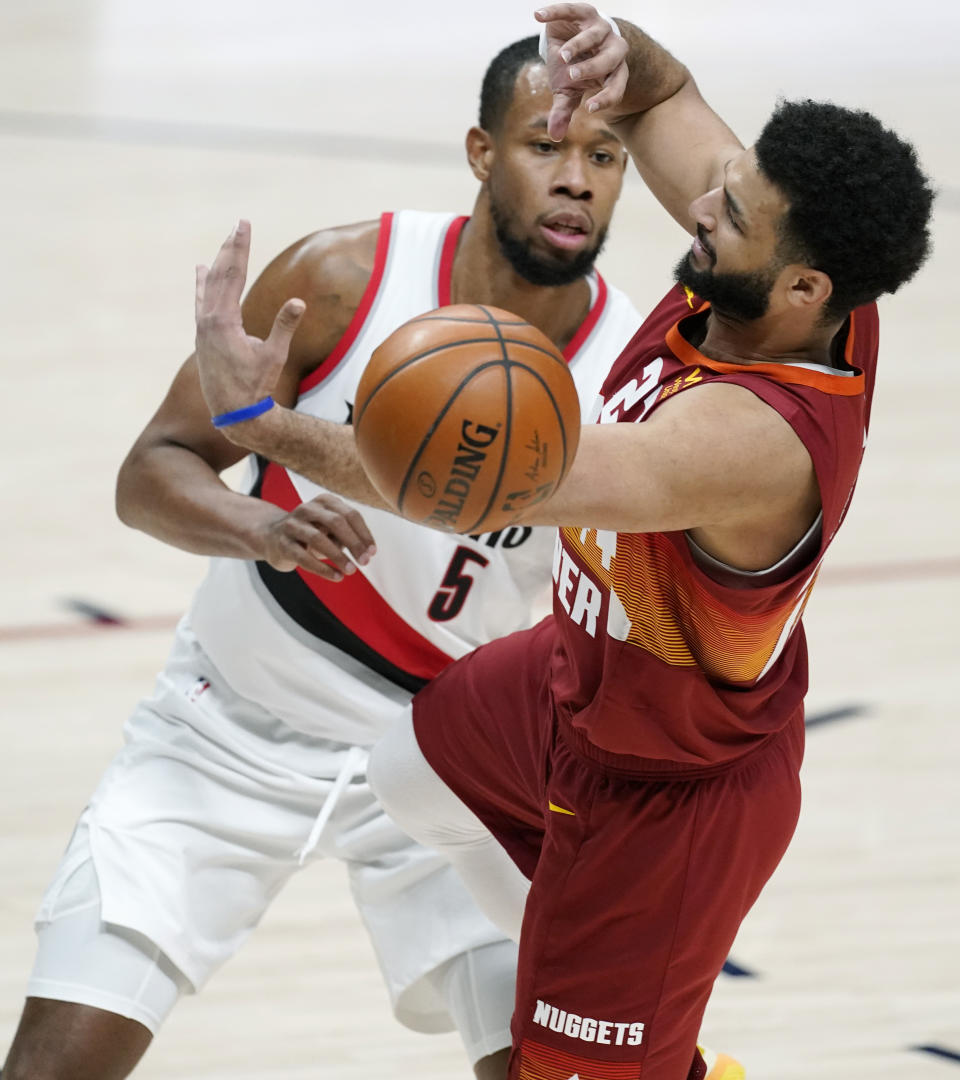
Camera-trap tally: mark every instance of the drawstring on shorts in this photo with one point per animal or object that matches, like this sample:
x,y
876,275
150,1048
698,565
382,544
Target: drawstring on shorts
x,y
354,763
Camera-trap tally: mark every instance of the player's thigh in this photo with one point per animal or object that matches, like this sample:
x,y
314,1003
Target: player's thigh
x,y
640,890
485,725
99,966
189,840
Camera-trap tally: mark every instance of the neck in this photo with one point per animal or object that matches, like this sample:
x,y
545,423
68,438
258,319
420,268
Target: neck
x,y
777,338
482,275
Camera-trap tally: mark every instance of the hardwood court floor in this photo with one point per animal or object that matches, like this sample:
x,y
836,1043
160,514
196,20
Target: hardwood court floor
x,y
132,137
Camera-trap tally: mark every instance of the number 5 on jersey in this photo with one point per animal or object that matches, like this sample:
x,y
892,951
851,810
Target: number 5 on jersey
x,y
449,599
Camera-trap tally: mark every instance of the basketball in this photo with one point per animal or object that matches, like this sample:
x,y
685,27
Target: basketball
x,y
465,417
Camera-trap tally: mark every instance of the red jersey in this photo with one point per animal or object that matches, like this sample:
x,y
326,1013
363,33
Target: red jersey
x,y
656,657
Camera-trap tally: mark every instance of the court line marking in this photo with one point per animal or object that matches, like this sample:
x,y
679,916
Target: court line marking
x,y
93,612
829,716
737,971
49,631
871,574
939,1051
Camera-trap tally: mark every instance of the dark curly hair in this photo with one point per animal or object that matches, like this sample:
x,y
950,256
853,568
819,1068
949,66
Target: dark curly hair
x,y
496,93
859,202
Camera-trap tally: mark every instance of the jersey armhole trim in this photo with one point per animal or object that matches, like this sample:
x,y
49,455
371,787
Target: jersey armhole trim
x,y
352,332
447,254
586,327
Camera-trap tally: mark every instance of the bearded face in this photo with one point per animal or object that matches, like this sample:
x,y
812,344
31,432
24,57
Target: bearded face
x,y
743,295
533,261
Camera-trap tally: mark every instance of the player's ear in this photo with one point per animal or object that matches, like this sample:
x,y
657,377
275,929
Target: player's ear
x,y
808,287
480,152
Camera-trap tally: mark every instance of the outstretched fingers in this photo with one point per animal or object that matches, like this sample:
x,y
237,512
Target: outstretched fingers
x,y
236,369
226,278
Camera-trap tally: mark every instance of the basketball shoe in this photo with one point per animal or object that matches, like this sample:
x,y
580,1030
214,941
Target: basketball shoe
x,y
720,1066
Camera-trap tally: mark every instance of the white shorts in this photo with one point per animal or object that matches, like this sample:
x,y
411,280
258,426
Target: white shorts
x,y
197,824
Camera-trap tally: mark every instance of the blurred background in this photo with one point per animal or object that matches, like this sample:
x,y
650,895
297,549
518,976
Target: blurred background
x,y
132,136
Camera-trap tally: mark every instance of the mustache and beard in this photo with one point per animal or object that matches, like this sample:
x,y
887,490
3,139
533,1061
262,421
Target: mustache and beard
x,y
533,266
741,296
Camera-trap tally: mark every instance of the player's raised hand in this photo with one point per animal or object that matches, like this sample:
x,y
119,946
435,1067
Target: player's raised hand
x,y
237,369
585,62
317,536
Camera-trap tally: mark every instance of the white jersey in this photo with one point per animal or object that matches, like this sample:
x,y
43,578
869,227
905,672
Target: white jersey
x,y
333,659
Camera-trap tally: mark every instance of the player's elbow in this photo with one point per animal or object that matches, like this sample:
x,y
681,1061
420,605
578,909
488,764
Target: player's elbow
x,y
129,489
140,482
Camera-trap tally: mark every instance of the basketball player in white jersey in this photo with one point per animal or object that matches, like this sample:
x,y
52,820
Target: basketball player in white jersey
x,y
249,759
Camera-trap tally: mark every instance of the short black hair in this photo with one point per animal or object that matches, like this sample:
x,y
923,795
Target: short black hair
x,y
496,93
859,204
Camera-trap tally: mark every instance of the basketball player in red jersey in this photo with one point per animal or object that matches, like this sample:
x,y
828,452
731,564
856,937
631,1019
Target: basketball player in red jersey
x,y
636,756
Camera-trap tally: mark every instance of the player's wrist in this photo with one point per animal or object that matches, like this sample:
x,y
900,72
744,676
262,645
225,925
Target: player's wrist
x,y
655,75
252,427
256,528
231,417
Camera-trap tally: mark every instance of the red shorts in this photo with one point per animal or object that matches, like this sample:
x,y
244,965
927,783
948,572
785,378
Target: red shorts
x,y
639,883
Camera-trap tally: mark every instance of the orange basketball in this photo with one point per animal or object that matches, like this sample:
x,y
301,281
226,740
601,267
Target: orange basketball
x,y
465,417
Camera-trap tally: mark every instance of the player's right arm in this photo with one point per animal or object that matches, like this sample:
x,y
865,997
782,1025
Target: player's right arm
x,y
678,143
169,484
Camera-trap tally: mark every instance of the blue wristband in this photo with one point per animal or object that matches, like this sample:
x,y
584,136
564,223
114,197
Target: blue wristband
x,y
225,419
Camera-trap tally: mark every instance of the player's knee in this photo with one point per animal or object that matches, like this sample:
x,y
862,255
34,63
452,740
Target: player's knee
x,y
412,793
395,773
478,988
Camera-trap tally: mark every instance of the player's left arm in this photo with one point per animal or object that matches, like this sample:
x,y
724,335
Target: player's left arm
x,y
714,460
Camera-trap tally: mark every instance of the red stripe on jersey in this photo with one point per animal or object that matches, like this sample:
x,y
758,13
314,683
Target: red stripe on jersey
x,y
342,347
593,317
539,1062
356,604
447,254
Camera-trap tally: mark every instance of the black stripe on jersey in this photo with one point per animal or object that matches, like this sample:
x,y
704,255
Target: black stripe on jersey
x,y
296,598
294,595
